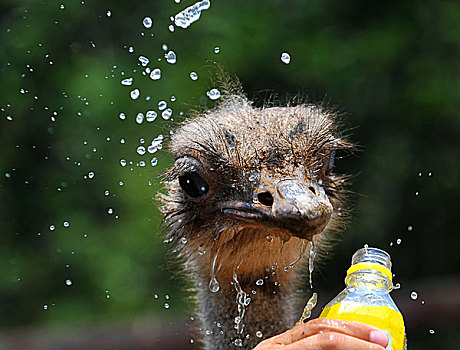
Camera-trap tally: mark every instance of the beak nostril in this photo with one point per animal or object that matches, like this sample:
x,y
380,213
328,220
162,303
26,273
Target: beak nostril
x,y
265,198
313,190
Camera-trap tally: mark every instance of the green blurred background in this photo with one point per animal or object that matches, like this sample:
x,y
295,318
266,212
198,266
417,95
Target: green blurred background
x,y
82,263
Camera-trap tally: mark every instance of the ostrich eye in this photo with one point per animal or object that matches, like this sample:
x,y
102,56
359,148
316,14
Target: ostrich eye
x,y
330,163
193,184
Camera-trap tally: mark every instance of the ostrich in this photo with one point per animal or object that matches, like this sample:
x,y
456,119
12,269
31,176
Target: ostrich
x,y
251,192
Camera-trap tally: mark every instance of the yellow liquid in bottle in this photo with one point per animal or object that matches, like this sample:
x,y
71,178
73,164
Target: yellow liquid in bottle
x,y
382,317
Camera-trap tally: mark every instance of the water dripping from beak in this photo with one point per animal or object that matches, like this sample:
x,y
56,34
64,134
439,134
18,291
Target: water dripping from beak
x,y
214,285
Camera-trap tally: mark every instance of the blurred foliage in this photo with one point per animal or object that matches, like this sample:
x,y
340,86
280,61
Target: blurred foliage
x,y
393,66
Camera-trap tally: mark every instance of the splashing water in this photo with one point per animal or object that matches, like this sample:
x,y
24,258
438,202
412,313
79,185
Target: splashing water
x,y
193,76
242,300
162,105
214,285
135,94
311,263
155,74
213,94
147,22
171,57
139,118
127,81
291,265
144,61
311,303
191,14
150,116
285,58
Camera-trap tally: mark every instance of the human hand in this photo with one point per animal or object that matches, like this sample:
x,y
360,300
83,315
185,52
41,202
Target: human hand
x,y
326,334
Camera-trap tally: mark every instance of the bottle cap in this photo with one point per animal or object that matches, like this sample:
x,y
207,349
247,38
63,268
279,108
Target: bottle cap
x,y
368,258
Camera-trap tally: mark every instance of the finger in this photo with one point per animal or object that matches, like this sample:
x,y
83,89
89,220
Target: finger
x,y
332,341
322,325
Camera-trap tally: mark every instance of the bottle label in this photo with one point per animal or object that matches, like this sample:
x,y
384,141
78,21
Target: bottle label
x,y
382,317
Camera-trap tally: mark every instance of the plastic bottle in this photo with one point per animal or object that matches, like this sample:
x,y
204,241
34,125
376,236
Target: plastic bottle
x,y
367,298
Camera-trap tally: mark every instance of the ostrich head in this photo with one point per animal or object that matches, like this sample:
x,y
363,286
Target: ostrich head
x,y
250,187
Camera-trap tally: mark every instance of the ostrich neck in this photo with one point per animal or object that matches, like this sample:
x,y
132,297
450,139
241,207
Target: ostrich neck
x,y
256,296
246,312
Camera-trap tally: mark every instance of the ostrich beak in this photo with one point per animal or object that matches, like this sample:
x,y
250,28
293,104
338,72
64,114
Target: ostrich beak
x,y
297,207
300,207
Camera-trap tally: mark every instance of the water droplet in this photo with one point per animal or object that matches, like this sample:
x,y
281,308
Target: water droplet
x,y
311,263
150,116
144,60
238,342
141,150
398,241
66,224
127,82
409,228
110,211
170,57
420,174
135,94
90,174
139,118
107,192
162,105
213,94
259,334
193,76
217,49
429,174
109,13
45,307
213,283
285,58
155,74
68,282
166,114
414,295
191,14
431,331
123,163
8,175
260,282
122,116
147,22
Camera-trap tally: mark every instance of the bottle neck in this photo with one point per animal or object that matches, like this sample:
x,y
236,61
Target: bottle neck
x,y
369,279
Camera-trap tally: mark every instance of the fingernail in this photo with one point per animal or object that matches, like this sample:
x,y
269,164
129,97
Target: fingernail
x,y
378,337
